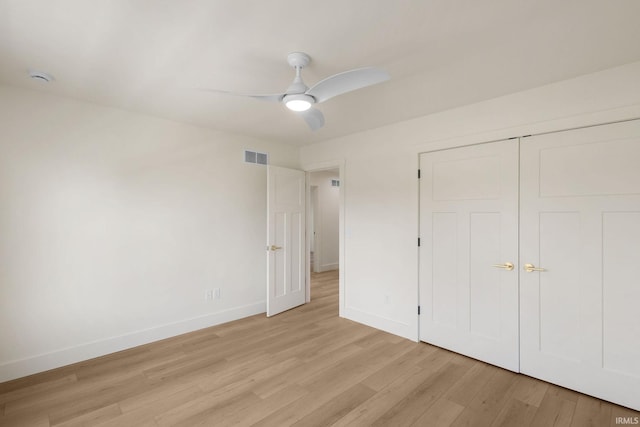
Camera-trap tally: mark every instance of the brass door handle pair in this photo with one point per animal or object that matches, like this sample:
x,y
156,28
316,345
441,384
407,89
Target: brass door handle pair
x,y
527,267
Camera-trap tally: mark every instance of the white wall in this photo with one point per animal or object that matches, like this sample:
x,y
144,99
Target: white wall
x,y
326,220
381,188
113,224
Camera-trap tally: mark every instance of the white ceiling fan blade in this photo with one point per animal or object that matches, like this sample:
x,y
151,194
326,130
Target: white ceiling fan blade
x,y
275,97
346,82
313,117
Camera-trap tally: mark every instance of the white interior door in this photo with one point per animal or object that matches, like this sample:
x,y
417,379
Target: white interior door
x,y
469,237
285,239
580,222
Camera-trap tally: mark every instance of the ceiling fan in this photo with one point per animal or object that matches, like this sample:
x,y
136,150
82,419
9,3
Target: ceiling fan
x,y
299,97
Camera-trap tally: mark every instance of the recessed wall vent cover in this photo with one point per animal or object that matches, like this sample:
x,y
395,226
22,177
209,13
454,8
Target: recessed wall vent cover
x,y
255,157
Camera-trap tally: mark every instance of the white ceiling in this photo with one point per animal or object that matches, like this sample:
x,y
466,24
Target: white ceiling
x,y
151,55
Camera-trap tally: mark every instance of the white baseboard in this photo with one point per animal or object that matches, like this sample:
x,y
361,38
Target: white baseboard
x,y
328,267
388,325
43,362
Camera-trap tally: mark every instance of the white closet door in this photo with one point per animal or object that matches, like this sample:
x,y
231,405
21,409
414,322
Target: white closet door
x,y
468,228
580,222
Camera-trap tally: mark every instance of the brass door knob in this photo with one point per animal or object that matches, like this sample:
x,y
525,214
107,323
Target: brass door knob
x,y
507,266
274,248
530,267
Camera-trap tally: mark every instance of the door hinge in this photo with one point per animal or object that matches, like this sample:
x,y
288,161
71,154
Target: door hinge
x,y
418,173
418,241
418,310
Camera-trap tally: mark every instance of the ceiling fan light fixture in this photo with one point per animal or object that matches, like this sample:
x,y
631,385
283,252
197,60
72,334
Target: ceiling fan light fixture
x,y
299,102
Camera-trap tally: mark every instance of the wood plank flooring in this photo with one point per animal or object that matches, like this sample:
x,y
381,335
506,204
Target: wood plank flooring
x,y
305,367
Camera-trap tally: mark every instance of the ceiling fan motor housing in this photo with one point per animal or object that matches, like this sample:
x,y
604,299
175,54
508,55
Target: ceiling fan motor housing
x,y
295,98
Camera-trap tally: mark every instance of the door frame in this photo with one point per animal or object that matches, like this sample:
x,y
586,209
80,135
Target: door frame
x,y
313,226
318,167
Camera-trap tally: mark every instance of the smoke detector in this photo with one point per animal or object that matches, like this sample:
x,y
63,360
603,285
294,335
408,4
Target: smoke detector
x,y
40,76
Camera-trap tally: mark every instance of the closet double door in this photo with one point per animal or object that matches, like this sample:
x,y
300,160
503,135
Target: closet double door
x,y
530,256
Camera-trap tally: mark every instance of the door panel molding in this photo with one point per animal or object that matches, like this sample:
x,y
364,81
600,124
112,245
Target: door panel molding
x,y
579,221
468,224
286,260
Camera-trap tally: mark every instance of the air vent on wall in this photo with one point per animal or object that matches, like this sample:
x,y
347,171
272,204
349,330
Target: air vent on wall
x,y
335,183
255,157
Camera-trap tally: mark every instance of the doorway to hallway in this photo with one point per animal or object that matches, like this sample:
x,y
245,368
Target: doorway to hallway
x,y
324,222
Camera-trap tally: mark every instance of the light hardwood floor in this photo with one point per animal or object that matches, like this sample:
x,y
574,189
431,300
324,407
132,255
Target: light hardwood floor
x,y
305,367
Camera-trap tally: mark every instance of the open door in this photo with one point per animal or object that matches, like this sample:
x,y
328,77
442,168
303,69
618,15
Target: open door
x,y
285,239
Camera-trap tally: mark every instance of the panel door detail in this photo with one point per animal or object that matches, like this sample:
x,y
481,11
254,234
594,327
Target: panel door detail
x,y
469,250
580,228
285,239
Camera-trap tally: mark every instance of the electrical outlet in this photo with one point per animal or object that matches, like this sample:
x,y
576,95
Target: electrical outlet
x,y
208,295
216,293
